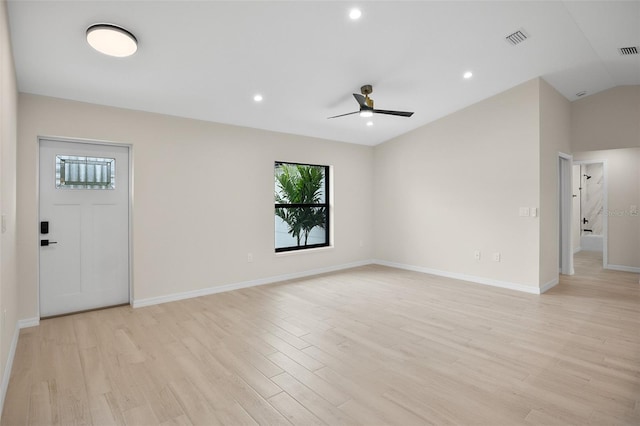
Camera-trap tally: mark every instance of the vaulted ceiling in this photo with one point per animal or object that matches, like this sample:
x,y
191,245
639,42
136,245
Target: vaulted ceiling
x,y
207,59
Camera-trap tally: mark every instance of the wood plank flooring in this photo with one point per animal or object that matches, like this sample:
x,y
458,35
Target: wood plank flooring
x,y
371,345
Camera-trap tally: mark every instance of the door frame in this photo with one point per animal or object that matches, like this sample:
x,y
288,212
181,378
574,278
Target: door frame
x,y
129,201
565,213
605,208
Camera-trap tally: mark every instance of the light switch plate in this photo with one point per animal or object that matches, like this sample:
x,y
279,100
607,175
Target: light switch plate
x,y
4,223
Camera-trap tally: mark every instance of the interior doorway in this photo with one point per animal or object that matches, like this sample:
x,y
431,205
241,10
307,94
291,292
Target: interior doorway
x,y
590,221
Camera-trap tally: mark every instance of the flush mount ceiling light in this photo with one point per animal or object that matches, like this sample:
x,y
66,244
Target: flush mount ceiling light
x,y
112,40
467,75
258,98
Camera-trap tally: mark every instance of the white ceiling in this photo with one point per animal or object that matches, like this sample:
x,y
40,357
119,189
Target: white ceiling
x,y
207,59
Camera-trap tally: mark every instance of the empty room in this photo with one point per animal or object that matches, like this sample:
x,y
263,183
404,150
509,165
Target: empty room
x,y
319,212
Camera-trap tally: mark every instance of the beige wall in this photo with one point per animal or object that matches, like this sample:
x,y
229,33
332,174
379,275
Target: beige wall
x,y
623,189
606,120
602,125
441,192
555,137
456,185
8,274
203,196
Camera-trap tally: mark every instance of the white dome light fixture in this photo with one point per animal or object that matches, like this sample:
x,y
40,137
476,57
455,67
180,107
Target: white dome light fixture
x,y
366,113
112,40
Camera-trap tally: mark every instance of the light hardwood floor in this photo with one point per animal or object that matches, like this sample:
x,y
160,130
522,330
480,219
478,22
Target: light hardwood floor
x,y
372,345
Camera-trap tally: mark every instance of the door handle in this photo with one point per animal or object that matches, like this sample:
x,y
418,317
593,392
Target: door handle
x,y
44,243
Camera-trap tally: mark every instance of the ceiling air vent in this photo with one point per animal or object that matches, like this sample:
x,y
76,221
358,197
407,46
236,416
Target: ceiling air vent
x,y
633,50
517,37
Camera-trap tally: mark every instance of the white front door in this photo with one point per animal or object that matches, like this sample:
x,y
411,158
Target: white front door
x,y
84,226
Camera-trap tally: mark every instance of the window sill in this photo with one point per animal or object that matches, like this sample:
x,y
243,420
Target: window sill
x,y
298,252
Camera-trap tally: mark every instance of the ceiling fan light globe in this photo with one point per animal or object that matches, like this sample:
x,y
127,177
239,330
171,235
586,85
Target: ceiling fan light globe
x,y
365,113
355,14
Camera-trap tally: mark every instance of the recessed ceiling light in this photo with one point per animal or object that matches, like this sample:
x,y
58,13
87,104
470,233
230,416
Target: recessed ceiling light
x,y
258,98
112,40
366,113
355,14
369,123
467,75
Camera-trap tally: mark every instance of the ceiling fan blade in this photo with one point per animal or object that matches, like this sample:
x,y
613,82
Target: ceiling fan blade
x,y
342,115
361,100
399,113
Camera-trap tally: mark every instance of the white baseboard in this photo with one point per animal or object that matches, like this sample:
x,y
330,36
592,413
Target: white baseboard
x,y
23,323
245,284
463,277
622,268
548,286
8,366
28,322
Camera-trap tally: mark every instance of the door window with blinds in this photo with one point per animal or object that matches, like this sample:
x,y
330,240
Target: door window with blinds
x,y
73,172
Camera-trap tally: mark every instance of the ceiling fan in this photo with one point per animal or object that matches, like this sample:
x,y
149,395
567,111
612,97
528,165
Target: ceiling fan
x,y
366,105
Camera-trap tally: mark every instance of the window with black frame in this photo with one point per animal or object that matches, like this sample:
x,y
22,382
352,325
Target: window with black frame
x,y
301,206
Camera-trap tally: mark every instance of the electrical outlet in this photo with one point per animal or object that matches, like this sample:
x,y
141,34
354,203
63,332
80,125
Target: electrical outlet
x,y
476,255
496,257
249,257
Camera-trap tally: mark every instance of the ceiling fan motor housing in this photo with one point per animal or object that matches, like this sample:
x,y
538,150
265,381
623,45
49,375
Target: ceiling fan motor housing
x,y
366,90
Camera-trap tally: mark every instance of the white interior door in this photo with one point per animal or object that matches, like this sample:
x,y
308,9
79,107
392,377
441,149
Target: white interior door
x,y
565,204
84,202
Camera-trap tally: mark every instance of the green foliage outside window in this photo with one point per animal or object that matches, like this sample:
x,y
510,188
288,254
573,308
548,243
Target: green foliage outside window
x,y
300,199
